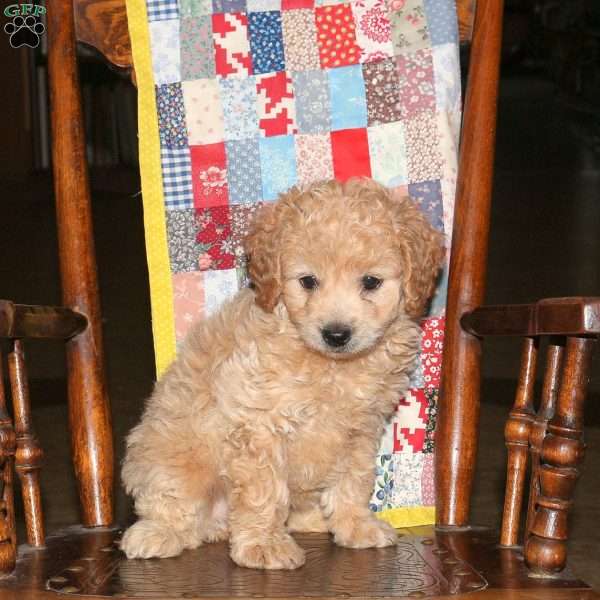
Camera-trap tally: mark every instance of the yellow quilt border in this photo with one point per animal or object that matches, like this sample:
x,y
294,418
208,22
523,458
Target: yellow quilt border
x,y
157,250
408,516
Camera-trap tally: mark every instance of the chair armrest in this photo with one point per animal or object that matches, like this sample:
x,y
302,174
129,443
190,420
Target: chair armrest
x,y
552,316
49,322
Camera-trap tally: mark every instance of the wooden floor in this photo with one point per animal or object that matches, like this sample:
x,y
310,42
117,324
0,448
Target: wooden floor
x,y
425,563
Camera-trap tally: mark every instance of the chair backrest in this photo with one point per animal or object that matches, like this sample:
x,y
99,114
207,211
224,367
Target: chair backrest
x,y
103,25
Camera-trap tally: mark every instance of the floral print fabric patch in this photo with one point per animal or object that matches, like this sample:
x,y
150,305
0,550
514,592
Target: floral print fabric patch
x,y
255,96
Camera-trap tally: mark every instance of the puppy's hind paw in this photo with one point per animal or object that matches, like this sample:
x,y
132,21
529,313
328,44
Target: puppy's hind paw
x,y
278,553
148,539
367,533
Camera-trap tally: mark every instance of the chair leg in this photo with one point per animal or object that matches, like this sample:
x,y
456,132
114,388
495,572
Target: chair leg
x,y
516,434
8,533
459,397
89,410
539,426
562,453
29,454
91,435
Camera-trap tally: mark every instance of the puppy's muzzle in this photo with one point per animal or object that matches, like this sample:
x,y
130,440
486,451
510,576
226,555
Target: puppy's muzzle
x,y
336,335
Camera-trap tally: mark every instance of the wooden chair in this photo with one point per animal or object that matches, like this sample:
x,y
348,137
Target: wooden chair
x,y
451,559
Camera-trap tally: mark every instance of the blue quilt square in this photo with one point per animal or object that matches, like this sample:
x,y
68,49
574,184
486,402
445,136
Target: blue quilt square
x,y
184,250
243,171
266,41
166,60
177,178
427,195
312,101
229,6
161,10
441,19
238,97
437,306
277,164
171,116
348,100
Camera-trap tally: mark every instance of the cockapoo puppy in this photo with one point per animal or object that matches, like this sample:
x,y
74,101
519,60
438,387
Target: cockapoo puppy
x,y
269,419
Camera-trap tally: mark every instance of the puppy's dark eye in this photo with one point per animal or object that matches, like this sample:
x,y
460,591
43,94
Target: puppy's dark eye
x,y
370,283
308,282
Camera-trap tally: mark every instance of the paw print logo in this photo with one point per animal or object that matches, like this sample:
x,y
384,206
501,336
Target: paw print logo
x,y
24,31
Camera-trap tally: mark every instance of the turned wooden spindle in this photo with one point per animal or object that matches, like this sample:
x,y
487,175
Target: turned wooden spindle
x,y
540,424
8,534
562,452
29,455
516,435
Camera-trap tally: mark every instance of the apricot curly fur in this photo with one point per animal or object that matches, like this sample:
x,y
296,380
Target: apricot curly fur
x,y
265,424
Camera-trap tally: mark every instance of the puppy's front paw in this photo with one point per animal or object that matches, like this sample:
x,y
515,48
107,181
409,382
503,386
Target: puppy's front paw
x,y
367,533
281,552
148,539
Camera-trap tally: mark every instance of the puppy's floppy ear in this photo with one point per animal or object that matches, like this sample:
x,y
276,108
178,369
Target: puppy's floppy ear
x,y
422,248
262,249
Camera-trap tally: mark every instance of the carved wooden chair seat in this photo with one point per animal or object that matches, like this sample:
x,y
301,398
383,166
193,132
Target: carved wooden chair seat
x,y
451,559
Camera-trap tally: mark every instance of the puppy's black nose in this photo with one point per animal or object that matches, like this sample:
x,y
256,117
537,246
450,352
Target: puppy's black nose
x,y
336,334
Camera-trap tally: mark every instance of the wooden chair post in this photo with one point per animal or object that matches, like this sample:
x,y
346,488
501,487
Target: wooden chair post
x,y
8,533
562,452
459,399
29,454
540,424
89,411
516,434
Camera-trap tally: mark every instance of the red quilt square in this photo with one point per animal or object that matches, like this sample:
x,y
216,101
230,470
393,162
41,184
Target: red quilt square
x,y
432,346
275,102
209,176
410,429
214,238
336,36
350,150
232,48
292,4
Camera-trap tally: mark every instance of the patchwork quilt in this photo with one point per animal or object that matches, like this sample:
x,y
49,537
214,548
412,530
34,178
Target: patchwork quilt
x,y
241,99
